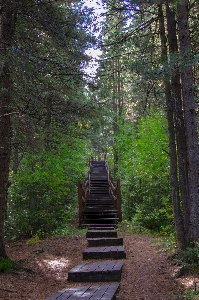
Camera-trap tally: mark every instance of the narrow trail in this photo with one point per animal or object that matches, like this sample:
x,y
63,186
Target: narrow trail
x,y
146,274
52,265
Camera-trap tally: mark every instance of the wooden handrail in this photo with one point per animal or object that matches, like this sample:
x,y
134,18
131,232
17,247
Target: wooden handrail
x,y
84,190
115,191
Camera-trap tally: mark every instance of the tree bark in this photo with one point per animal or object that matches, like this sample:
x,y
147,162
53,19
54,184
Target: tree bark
x,y
178,218
190,120
178,117
7,24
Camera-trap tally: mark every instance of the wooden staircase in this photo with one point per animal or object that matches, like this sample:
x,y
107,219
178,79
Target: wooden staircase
x,y
99,198
100,210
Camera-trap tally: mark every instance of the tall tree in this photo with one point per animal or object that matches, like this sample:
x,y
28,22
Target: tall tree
x,y
44,43
176,199
178,113
141,40
190,119
7,28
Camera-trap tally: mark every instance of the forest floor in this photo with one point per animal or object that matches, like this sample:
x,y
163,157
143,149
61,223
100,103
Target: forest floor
x,y
147,272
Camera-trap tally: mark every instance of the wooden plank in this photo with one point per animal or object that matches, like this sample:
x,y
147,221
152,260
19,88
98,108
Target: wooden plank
x,y
88,292
100,292
93,267
101,233
118,265
66,293
104,266
86,295
87,224
107,252
110,265
111,292
100,271
79,267
97,242
100,228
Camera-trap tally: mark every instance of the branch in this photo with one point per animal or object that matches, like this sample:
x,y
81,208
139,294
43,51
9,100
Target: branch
x,y
9,114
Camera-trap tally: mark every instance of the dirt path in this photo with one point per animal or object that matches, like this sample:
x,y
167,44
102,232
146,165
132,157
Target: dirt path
x,y
146,275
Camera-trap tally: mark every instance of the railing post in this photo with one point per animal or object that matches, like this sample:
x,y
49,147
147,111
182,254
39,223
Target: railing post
x,y
119,200
80,201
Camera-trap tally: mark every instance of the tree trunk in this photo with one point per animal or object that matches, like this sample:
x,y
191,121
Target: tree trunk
x,y
178,219
190,120
7,21
48,122
178,117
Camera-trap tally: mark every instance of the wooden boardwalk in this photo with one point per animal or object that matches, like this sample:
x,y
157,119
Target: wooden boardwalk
x,y
97,242
104,271
101,217
112,252
88,292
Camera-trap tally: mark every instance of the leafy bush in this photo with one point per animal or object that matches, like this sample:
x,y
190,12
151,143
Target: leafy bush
x,y
6,265
144,171
189,257
43,194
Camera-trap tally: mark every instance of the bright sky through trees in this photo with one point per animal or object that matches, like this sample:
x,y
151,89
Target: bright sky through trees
x,y
98,11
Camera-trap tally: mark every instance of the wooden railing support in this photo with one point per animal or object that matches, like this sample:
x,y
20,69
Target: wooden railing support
x,y
84,191
119,202
115,192
80,200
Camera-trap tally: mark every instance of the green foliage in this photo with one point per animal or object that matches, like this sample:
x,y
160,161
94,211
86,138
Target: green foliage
x,y
166,241
191,294
33,240
70,230
43,194
132,227
144,170
7,265
189,258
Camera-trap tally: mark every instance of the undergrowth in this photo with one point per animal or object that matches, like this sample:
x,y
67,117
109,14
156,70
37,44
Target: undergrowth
x,y
188,259
70,230
7,265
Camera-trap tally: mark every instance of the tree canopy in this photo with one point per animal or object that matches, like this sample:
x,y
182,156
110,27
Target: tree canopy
x,y
139,106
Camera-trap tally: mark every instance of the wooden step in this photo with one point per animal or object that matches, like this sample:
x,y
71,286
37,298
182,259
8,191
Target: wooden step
x,y
100,228
100,214
87,223
106,252
105,195
100,209
98,219
99,197
88,292
97,242
101,233
104,271
99,183
97,225
101,219
101,200
95,176
98,191
99,203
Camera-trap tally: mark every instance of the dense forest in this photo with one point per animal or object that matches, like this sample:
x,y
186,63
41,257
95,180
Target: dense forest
x,y
138,105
